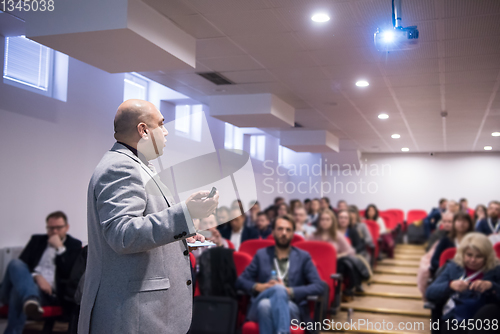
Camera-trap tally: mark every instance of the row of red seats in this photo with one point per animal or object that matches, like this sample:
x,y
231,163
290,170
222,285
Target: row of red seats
x,y
324,257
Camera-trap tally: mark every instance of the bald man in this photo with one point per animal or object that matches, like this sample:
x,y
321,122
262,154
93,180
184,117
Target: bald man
x,y
138,277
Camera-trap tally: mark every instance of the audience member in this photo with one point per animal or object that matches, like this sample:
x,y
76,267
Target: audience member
x,y
360,226
278,296
479,214
462,224
303,227
314,211
342,205
278,201
433,218
424,273
453,206
346,227
294,203
386,239
208,227
307,205
490,225
325,204
252,214
282,210
327,231
222,215
444,228
237,231
464,207
263,225
271,213
38,278
467,283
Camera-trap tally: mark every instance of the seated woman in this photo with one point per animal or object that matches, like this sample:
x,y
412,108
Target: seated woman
x,y
424,273
471,281
347,228
327,231
387,241
462,224
360,226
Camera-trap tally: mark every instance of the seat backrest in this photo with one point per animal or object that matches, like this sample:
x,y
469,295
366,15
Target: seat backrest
x,y
496,247
447,255
241,261
390,219
414,215
252,246
193,260
324,257
400,215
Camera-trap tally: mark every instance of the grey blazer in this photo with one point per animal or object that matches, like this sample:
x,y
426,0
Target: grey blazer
x,y
138,277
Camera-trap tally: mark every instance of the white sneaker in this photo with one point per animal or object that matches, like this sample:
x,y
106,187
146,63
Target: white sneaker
x,y
33,309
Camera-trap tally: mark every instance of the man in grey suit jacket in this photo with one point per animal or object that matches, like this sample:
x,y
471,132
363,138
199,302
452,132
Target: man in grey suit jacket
x,y
138,277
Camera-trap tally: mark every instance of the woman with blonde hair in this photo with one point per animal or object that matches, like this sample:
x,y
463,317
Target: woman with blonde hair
x,y
328,231
471,281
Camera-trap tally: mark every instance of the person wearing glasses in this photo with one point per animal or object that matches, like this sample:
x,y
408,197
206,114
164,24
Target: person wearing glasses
x,y
38,277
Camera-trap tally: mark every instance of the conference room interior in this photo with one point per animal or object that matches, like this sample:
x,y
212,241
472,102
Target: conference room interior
x,y
321,107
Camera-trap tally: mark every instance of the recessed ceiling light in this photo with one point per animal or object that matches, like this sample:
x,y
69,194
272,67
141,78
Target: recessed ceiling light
x,y
383,116
405,149
320,17
496,134
396,136
362,83
488,148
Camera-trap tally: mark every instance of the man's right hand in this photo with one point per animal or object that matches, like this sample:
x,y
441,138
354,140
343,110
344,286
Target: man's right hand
x,y
259,287
199,206
43,284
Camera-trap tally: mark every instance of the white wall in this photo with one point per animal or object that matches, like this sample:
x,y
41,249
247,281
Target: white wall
x,y
418,181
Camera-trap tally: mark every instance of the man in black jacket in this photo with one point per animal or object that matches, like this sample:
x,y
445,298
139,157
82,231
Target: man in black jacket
x,y
38,277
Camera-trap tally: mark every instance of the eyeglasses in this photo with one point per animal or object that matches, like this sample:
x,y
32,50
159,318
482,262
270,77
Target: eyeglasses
x,y
55,228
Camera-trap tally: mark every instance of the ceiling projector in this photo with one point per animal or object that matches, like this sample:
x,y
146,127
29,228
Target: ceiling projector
x,y
397,38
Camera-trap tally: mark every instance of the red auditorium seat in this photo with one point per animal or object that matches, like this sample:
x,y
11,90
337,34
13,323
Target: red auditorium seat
x,y
496,247
362,213
252,246
296,238
324,257
241,261
390,219
230,245
448,254
400,215
415,215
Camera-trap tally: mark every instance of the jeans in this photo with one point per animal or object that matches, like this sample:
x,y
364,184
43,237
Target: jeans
x,y
18,286
273,310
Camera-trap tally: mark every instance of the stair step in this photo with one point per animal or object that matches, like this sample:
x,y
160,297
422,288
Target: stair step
x,y
398,262
374,318
407,257
399,270
383,305
394,279
396,291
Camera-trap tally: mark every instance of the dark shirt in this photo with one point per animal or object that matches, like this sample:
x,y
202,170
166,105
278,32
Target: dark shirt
x,y
136,153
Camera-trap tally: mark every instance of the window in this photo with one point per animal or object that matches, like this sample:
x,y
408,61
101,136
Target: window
x,y
29,65
135,87
233,138
188,121
258,147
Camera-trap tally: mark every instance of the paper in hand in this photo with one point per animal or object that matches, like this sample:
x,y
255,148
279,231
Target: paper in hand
x,y
198,243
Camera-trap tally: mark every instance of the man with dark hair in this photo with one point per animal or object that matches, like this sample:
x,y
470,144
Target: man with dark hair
x,y
491,224
280,278
263,225
39,276
237,232
278,201
434,217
